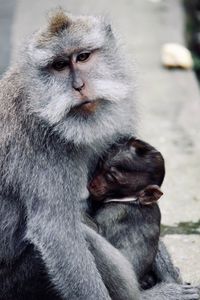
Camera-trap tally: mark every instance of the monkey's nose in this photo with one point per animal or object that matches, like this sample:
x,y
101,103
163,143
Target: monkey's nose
x,y
78,86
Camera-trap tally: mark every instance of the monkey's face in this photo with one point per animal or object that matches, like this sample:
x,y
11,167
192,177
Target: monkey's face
x,y
126,170
103,186
80,83
113,183
111,180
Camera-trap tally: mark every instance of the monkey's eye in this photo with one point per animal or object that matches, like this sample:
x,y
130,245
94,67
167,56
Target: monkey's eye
x,y
60,65
83,56
100,164
110,177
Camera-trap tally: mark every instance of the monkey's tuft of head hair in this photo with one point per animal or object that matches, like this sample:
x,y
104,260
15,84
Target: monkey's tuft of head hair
x,y
78,80
58,21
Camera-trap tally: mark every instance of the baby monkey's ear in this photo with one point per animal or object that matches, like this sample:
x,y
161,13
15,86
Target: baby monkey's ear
x,y
150,195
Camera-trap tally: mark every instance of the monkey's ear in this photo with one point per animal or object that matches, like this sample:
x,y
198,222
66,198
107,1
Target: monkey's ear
x,y
150,195
107,27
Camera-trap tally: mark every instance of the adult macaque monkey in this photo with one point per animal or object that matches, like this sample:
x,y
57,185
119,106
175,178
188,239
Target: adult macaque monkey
x,y
66,99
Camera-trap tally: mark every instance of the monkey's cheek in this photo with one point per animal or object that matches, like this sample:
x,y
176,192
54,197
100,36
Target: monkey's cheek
x,y
96,184
97,194
92,190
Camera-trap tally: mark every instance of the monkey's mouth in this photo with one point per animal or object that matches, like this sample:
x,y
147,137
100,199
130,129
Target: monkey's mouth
x,y
87,107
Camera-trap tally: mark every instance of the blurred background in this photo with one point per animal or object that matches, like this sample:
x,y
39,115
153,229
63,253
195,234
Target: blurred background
x,y
168,97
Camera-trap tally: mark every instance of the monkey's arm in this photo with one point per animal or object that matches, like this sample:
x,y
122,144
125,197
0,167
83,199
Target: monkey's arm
x,y
163,266
46,188
115,270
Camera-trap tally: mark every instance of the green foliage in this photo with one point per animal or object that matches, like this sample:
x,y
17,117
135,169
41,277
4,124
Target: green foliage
x,y
192,30
196,60
181,228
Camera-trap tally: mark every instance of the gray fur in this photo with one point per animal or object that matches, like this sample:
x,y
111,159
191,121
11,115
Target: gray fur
x,y
45,152
164,267
37,168
132,229
115,269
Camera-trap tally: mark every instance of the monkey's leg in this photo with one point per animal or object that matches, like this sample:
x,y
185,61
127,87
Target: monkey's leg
x,y
26,278
69,263
53,226
22,271
164,268
115,270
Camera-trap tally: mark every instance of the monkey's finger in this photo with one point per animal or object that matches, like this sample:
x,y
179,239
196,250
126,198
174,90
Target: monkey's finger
x,y
191,292
189,287
191,297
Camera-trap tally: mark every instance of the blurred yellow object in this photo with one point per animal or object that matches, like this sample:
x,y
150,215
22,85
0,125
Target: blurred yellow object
x,y
176,56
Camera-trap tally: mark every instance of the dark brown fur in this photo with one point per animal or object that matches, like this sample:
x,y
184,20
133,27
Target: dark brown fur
x,y
134,169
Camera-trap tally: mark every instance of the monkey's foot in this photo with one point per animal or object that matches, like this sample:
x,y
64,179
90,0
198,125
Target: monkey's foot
x,y
171,291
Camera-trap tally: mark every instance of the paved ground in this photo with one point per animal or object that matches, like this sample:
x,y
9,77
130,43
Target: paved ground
x,y
169,101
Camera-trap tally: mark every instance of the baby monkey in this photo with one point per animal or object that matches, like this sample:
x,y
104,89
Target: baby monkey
x,y
123,195
134,169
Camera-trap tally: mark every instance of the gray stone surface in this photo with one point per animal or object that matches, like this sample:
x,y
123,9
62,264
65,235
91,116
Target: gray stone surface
x,y
7,9
169,101
185,252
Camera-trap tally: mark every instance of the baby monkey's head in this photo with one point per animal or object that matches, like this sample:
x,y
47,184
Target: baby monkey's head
x,y
130,168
